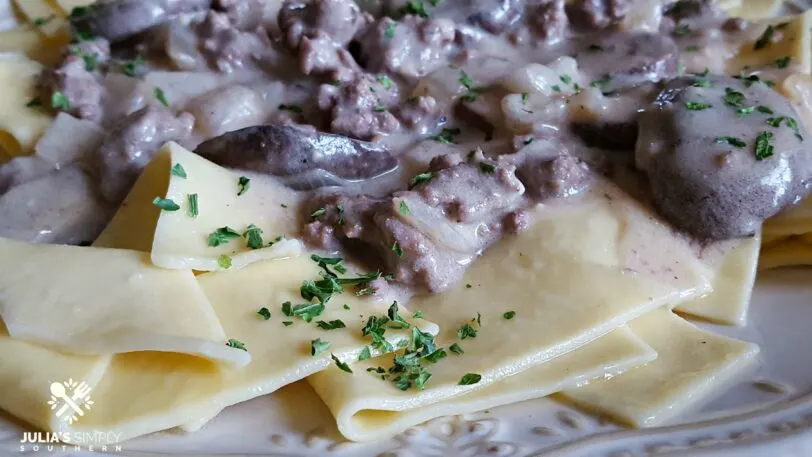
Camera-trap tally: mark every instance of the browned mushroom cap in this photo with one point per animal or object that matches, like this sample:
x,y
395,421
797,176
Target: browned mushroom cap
x,y
288,151
118,20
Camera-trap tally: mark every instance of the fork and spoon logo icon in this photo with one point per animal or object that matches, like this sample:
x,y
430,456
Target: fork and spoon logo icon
x,y
71,398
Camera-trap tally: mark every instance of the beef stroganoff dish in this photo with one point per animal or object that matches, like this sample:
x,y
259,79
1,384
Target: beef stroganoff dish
x,y
419,208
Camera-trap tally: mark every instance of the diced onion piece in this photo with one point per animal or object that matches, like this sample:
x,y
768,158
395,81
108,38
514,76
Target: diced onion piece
x,y
460,238
226,110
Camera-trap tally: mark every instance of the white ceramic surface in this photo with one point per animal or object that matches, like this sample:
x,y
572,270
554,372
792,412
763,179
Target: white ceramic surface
x,y
768,413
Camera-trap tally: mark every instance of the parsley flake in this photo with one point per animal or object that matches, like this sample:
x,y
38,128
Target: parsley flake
x,y
292,108
365,354
783,62
418,315
60,102
236,344
509,315
421,178
253,235
456,349
397,249
40,21
446,136
386,82
765,109
403,208
343,366
165,204
265,313
159,94
224,262
765,38
470,379
222,236
243,184
466,331
730,140
487,167
764,145
389,32
318,346
191,202
178,171
697,106
332,325
318,213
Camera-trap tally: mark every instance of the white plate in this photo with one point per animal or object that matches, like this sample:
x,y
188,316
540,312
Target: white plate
x,y
768,412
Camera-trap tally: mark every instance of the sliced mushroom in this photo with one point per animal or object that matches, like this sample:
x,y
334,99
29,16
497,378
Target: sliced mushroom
x,y
118,20
291,152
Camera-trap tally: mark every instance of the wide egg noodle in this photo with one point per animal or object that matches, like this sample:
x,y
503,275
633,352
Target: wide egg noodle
x,y
752,10
586,242
25,39
735,275
359,420
145,392
179,241
793,40
790,252
51,17
20,126
28,371
692,365
93,301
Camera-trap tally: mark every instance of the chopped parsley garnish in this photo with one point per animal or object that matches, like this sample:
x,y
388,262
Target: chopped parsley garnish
x,y
764,145
40,21
347,307
130,67
456,349
389,32
701,83
292,108
326,262
305,311
602,83
253,235
91,60
343,366
159,94
222,236
178,171
397,249
468,83
446,136
365,354
265,313
565,79
34,103
746,110
765,38
691,48
486,167
236,344
243,184
509,315
418,315
191,202
731,140
421,178
733,97
555,87
525,97
697,106
469,379
287,323
783,62
435,356
403,208
765,109
318,346
683,30
706,72
380,109
395,318
788,121
332,325
415,7
318,213
165,204
224,262
60,102
466,331
322,289
385,81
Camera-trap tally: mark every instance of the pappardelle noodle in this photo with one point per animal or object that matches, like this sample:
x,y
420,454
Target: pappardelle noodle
x,y
420,208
